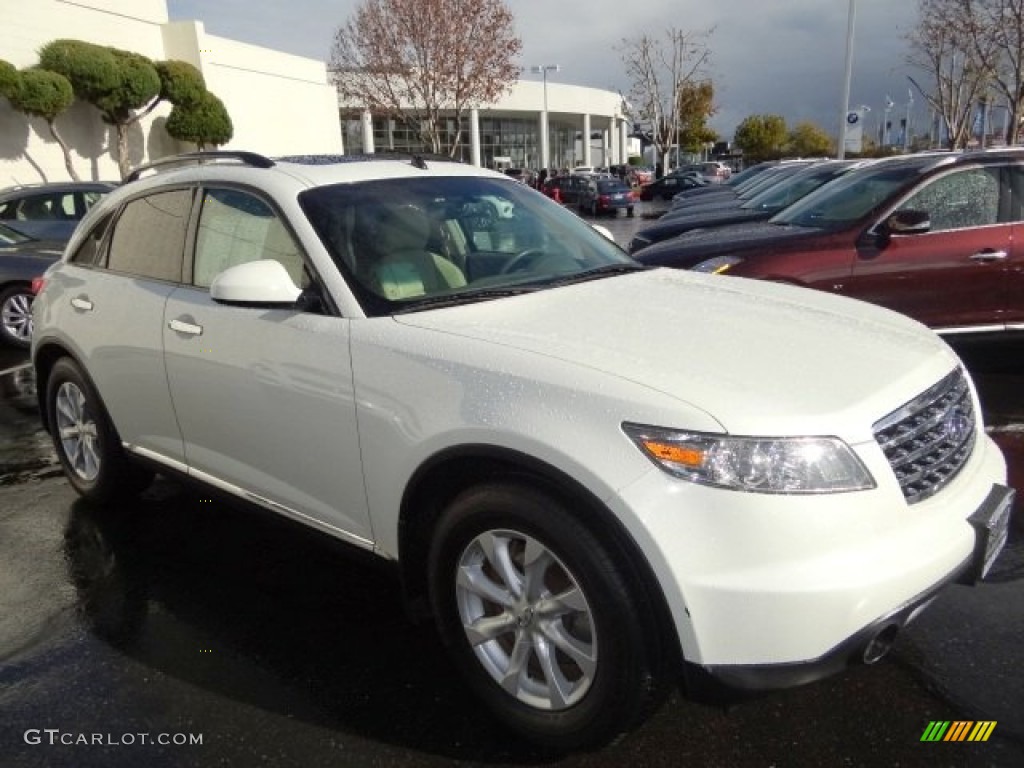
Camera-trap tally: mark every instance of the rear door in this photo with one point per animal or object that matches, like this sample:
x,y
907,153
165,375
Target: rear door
x,y
113,291
953,277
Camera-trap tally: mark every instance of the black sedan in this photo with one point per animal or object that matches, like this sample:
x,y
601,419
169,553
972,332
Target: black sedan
x,y
22,258
49,211
668,187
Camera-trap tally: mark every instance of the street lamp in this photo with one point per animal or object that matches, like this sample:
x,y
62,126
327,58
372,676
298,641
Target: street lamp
x,y
847,77
543,69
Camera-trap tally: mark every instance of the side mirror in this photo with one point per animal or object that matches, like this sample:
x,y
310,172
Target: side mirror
x,y
907,222
257,282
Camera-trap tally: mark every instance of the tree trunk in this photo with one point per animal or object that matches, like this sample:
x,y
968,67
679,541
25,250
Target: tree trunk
x,y
122,150
65,149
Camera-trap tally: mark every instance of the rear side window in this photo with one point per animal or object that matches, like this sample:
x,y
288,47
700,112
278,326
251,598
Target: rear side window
x,y
149,236
90,252
236,228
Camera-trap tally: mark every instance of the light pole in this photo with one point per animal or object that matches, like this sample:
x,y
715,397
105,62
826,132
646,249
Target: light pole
x,y
844,107
543,69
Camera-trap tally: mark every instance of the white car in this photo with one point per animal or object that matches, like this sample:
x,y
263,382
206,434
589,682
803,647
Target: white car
x,y
599,478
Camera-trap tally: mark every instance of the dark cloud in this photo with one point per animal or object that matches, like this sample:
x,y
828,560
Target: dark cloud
x,y
768,56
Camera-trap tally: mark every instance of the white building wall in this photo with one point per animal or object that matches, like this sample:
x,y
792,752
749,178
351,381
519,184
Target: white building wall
x,y
278,103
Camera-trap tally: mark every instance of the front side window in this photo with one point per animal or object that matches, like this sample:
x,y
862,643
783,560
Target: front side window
x,y
235,228
149,236
849,199
403,241
959,200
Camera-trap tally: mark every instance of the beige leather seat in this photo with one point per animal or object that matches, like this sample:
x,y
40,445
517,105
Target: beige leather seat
x,y
404,268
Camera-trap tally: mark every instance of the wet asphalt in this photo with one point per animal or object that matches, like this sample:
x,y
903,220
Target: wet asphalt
x,y
180,631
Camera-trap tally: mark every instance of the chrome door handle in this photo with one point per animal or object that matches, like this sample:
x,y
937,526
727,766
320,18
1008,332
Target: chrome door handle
x,y
987,255
180,326
83,304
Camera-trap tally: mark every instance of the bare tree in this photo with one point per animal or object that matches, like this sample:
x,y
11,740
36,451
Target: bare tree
x,y
422,61
945,45
996,30
660,68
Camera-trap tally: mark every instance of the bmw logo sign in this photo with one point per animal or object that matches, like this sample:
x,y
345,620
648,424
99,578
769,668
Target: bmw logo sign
x,y
852,118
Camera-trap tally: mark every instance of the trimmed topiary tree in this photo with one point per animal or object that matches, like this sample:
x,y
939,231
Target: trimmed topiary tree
x,y
46,94
9,79
123,85
205,122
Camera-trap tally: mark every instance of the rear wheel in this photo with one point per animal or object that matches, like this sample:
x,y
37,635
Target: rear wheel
x,y
539,618
16,315
86,442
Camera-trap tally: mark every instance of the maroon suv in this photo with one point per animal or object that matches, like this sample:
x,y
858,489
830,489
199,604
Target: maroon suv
x,y
931,235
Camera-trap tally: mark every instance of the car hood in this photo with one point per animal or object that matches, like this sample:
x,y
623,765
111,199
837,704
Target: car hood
x,y
760,358
678,225
691,248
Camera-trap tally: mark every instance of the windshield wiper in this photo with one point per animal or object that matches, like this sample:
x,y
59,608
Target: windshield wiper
x,y
465,297
597,273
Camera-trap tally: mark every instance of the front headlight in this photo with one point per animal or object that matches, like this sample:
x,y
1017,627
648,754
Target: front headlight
x,y
718,265
754,464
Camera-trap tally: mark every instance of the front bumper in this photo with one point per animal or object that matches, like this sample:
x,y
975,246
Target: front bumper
x,y
769,591
991,524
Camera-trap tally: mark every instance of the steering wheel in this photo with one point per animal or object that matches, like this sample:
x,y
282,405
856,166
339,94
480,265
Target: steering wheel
x,y
521,260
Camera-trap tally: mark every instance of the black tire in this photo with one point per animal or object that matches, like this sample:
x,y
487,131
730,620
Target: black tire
x,y
87,445
593,209
629,212
16,315
609,681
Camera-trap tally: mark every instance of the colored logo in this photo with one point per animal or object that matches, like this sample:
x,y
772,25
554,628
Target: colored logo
x,y
958,730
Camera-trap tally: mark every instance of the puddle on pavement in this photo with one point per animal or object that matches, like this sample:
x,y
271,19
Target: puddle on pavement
x,y
25,449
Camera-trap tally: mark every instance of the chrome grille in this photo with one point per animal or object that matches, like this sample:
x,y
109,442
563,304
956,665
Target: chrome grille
x,y
928,440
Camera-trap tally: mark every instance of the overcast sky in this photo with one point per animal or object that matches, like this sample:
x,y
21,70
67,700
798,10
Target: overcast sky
x,y
768,56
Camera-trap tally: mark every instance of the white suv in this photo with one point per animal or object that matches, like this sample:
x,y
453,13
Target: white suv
x,y
596,476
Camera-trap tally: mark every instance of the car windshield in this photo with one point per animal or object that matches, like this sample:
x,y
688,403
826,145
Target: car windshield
x,y
611,186
848,199
407,244
787,192
9,237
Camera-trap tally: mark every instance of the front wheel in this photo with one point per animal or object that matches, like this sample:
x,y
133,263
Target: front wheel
x,y
539,618
85,440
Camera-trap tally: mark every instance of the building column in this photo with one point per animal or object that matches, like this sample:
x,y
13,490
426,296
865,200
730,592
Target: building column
x,y
606,159
474,137
545,149
623,141
586,140
367,122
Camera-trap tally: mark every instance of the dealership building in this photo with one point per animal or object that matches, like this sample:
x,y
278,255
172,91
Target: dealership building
x,y
279,104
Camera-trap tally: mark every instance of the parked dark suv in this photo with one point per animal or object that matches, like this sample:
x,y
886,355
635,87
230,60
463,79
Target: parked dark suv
x,y
931,235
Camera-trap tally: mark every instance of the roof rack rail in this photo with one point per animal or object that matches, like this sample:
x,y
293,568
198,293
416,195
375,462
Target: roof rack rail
x,y
247,158
365,157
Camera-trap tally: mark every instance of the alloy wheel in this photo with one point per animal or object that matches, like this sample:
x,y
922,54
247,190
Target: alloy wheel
x,y
527,619
77,431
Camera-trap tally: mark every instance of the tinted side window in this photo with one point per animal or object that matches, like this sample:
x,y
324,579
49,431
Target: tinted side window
x,y
236,228
958,200
150,234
